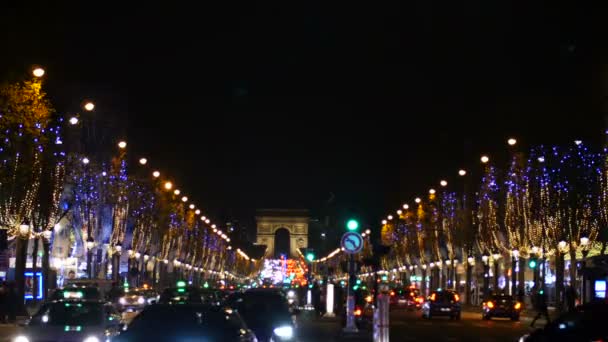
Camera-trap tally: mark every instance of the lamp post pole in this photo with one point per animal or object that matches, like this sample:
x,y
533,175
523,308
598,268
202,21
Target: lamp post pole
x,y
46,244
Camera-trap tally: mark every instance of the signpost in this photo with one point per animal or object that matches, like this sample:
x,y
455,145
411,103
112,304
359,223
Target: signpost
x,y
352,242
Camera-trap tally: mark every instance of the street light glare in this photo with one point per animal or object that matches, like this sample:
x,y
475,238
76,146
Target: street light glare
x,y
432,191
168,185
156,174
122,144
73,120
462,172
38,72
143,161
485,159
406,206
417,200
512,141
176,192
197,212
85,160
443,183
184,199
191,206
89,106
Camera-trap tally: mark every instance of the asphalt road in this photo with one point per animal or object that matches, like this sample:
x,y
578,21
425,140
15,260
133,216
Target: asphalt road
x,y
410,326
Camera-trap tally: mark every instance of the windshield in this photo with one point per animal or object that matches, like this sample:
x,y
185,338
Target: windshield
x,y
256,307
70,314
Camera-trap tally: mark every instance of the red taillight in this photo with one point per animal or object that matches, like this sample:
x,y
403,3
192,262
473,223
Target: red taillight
x,y
456,298
433,297
490,305
358,312
392,293
419,300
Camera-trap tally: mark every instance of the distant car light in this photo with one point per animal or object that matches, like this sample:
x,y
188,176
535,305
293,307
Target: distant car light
x,y
456,298
490,305
517,306
291,293
358,312
141,300
122,301
21,338
91,339
45,319
285,332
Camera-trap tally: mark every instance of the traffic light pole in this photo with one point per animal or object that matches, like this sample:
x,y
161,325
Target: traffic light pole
x,y
351,326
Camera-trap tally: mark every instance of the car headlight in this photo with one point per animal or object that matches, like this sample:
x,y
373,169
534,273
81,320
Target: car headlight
x,y
21,338
91,339
290,293
141,300
284,332
122,301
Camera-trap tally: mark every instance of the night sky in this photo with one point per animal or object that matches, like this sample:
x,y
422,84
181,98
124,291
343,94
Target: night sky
x,y
286,104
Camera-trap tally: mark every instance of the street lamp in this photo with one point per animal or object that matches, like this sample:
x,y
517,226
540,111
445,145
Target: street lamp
x,y
184,199
384,222
462,172
155,174
399,212
584,244
495,257
89,106
122,145
85,160
471,260
73,120
137,255
168,185
367,231
389,217
38,72
417,200
143,161
176,192
443,183
406,206
24,230
485,159
197,212
191,206
512,141
432,191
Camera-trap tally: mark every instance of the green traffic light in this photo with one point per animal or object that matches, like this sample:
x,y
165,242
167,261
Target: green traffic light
x,y
532,264
310,257
181,283
352,224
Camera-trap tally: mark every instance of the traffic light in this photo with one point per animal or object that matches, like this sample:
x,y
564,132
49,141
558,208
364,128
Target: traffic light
x,y
352,225
352,282
310,256
532,263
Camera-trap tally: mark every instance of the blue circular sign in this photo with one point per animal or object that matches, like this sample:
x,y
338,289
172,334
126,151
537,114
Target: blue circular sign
x,y
352,242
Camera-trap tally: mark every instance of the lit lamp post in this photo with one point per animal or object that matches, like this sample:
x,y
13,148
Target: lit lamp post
x,y
144,268
585,246
562,248
449,269
486,274
137,256
470,266
514,260
46,243
495,258
90,244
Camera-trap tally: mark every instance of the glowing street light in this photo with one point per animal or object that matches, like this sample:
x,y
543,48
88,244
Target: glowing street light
x,y
367,231
184,199
191,206
384,221
155,174
432,191
122,144
38,72
485,159
541,159
168,185
176,192
512,141
443,183
406,206
389,217
143,161
197,212
417,200
89,106
462,172
85,160
399,212
73,120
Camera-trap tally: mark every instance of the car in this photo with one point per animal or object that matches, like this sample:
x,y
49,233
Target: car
x,y
76,292
267,313
72,320
501,305
188,322
133,300
442,303
586,323
364,311
406,298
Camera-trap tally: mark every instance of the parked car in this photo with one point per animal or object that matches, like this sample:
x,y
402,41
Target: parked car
x,y
442,303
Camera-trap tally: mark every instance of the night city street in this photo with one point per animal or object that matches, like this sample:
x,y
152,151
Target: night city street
x,y
303,171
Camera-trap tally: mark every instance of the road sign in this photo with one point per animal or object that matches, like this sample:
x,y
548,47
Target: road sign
x,y
352,242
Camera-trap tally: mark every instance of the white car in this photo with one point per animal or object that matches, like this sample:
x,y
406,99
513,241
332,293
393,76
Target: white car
x,y
67,320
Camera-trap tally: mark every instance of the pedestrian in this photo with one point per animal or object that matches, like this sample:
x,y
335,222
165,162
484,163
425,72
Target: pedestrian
x,y
540,302
12,302
570,298
3,301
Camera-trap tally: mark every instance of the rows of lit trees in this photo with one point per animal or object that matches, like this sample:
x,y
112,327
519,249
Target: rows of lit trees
x,y
547,204
53,185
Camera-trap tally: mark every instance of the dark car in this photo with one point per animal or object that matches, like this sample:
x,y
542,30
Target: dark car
x,y
442,303
585,323
406,298
267,313
186,323
364,312
72,320
76,292
501,305
190,295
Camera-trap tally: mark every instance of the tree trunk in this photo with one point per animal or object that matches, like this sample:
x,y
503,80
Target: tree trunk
x,y
20,258
468,284
559,280
46,267
34,270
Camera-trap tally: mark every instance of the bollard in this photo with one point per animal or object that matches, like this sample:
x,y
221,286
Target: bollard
x,y
381,319
329,305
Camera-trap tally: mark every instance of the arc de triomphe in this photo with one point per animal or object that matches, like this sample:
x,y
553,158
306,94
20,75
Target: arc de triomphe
x,y
271,220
